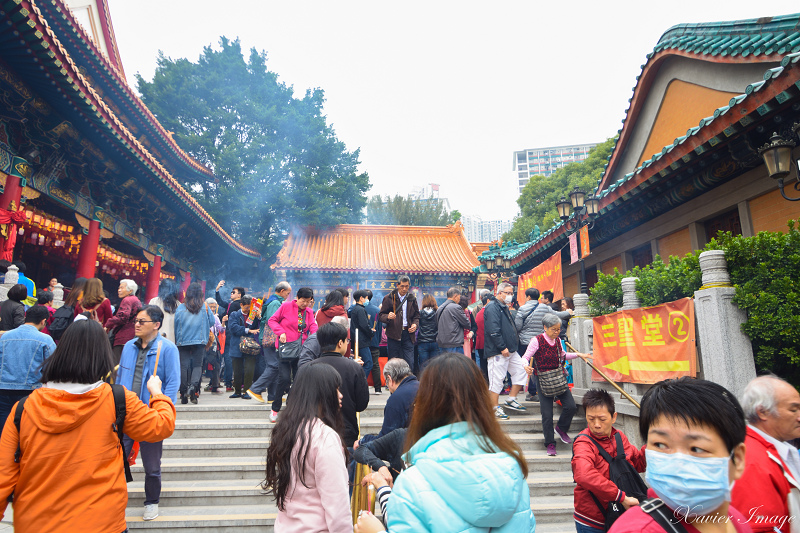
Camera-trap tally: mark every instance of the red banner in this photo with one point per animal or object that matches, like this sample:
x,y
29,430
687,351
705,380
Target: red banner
x,y
545,277
646,345
584,236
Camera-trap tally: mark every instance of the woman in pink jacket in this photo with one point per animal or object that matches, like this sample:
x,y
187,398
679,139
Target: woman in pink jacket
x,y
306,470
293,321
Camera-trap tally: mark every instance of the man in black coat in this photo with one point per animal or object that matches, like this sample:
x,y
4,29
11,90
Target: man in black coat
x,y
361,329
400,313
333,341
500,348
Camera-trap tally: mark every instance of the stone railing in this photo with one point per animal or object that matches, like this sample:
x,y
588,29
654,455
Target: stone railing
x,y
724,352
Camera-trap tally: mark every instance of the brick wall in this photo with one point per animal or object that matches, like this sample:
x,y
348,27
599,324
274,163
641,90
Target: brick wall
x,y
678,244
607,267
771,211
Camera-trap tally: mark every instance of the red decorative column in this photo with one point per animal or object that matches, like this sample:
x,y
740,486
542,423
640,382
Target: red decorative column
x,y
87,255
10,201
153,279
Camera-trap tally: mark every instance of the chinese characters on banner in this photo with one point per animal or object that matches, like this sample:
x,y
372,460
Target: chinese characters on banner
x,y
573,248
584,236
646,345
544,277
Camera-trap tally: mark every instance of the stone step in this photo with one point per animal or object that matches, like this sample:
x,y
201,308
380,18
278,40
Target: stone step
x,y
247,490
553,515
218,469
254,427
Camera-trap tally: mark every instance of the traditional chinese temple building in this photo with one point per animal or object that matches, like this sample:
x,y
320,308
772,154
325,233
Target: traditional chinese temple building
x,y
686,163
371,257
88,173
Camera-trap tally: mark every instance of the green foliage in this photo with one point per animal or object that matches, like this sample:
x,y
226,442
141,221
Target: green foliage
x,y
658,283
276,161
403,211
537,202
764,269
455,216
606,295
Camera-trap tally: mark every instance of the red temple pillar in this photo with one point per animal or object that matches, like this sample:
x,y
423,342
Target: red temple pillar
x,y
203,286
87,255
153,279
187,280
10,201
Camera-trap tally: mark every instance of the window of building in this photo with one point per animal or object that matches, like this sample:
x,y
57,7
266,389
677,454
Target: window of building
x,y
523,167
642,256
522,182
523,175
520,157
725,222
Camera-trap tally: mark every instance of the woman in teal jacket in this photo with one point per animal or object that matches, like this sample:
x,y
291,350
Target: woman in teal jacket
x,y
466,474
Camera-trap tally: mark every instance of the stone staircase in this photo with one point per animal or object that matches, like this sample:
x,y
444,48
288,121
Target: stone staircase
x,y
213,465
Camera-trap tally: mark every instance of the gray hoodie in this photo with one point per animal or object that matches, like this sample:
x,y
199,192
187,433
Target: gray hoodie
x,y
452,321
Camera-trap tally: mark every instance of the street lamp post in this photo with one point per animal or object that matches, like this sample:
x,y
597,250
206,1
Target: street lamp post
x,y
777,155
584,213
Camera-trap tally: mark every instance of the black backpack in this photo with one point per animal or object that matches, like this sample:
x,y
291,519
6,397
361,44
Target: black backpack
x,y
623,475
63,317
120,410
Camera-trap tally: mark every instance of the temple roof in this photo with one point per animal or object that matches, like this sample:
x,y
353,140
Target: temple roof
x,y
762,40
773,40
360,248
59,79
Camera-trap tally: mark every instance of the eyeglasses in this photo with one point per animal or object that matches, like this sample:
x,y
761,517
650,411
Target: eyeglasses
x,y
140,322
506,292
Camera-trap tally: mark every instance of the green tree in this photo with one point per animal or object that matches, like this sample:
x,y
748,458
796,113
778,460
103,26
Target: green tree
x,y
537,202
405,211
455,216
276,161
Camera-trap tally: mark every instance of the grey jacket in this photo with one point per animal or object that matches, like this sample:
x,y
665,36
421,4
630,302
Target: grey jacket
x,y
451,321
533,324
309,352
499,329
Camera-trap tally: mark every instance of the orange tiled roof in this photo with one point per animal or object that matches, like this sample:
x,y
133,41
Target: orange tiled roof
x,y
353,247
479,247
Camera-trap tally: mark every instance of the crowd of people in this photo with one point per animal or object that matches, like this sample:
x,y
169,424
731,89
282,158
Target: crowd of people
x,y
441,460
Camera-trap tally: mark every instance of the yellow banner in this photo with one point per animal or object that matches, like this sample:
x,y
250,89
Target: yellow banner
x,y
646,345
545,277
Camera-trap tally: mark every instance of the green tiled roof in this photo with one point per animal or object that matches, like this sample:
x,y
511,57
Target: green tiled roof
x,y
763,36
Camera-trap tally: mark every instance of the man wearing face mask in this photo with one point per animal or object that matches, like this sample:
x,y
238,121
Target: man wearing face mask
x,y
769,490
500,348
695,452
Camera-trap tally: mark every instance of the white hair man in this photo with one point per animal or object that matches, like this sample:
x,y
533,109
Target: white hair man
x,y
500,348
769,489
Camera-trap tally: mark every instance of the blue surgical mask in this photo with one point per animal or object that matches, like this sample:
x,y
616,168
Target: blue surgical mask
x,y
690,485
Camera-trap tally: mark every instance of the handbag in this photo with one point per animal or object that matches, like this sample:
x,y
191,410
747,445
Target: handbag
x,y
553,382
268,338
249,346
290,350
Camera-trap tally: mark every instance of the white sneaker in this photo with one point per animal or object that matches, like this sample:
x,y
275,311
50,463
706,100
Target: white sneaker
x,y
273,416
150,511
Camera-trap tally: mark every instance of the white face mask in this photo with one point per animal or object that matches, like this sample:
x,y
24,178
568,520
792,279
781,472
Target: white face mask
x,y
508,298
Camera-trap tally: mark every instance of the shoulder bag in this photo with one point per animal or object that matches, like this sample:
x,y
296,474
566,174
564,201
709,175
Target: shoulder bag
x,y
553,382
211,338
290,350
249,346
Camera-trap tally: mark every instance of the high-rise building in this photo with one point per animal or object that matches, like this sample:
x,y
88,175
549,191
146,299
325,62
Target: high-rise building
x,y
479,230
545,161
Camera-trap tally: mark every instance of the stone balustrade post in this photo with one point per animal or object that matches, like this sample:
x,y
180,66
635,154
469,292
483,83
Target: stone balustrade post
x,y
629,298
725,354
11,279
58,296
580,337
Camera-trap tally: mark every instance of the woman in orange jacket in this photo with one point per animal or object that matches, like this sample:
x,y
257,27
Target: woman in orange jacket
x,y
70,475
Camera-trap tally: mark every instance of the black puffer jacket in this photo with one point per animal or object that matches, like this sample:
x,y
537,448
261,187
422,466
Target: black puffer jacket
x,y
427,325
500,332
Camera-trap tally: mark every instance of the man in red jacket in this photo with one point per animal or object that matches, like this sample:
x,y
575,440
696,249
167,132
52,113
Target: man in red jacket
x,y
769,490
590,470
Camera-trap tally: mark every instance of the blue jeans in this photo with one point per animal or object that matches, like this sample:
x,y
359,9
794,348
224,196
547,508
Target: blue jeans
x,y
150,452
427,351
268,378
366,355
581,528
8,398
458,349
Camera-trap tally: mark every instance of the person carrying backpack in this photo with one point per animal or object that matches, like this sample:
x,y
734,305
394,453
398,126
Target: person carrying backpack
x,y
605,466
65,464
65,315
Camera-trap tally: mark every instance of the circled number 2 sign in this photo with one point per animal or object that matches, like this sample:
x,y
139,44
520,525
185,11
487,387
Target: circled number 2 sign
x,y
679,326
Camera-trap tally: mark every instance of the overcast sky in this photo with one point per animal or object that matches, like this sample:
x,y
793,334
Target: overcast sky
x,y
438,92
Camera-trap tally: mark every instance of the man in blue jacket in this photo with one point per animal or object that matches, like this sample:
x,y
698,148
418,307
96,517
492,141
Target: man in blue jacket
x,y
139,357
22,352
